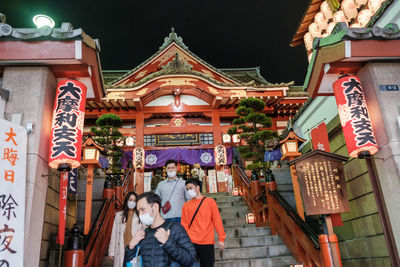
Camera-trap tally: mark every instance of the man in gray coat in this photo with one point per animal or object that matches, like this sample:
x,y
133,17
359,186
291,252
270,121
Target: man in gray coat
x,y
173,193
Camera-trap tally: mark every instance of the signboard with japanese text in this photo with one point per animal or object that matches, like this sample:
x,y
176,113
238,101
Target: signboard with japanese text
x,y
13,145
212,181
177,139
322,184
354,117
147,181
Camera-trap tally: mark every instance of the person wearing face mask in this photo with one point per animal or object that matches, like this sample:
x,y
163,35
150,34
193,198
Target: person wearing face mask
x,y
200,216
163,243
126,224
172,192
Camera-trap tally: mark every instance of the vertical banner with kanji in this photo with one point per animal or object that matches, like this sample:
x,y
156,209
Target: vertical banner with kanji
x,y
13,144
73,181
319,138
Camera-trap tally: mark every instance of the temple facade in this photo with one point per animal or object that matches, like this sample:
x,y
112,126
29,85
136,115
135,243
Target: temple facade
x,y
176,99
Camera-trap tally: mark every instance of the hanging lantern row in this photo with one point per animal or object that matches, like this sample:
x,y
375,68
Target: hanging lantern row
x,y
354,117
355,13
227,138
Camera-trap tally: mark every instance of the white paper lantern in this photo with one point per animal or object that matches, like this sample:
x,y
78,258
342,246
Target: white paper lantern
x,y
339,17
355,25
364,17
314,30
308,41
326,10
349,9
330,27
374,5
320,20
360,2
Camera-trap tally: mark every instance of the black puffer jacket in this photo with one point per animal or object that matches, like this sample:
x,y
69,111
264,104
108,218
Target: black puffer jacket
x,y
178,248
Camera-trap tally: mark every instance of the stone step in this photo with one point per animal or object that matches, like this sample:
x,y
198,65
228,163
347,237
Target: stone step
x,y
234,222
215,195
231,204
233,215
247,232
228,199
251,241
283,261
251,252
233,209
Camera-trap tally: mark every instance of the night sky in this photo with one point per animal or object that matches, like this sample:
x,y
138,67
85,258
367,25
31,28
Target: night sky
x,y
226,34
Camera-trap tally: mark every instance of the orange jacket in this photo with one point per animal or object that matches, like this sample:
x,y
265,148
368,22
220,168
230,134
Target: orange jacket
x,y
207,218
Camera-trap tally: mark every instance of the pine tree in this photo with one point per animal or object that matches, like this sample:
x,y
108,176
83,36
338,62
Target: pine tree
x,y
107,134
252,126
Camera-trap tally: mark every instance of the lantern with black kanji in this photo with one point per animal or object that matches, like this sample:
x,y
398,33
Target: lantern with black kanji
x,y
67,125
138,158
354,117
220,155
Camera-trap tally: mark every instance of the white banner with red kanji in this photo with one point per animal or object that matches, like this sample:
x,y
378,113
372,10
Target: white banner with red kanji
x,y
13,146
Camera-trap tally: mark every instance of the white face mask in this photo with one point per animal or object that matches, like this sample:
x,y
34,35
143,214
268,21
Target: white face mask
x,y
146,219
171,174
191,193
131,204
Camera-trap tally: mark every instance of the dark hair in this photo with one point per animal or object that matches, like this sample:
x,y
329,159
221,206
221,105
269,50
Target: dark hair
x,y
193,181
170,161
151,198
125,209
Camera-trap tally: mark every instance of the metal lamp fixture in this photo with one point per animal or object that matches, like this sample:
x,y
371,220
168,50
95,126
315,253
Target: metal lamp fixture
x,y
43,20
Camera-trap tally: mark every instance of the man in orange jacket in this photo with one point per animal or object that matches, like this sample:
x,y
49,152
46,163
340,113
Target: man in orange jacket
x,y
200,216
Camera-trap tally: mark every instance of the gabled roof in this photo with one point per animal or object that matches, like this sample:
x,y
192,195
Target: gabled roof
x,y
172,44
245,75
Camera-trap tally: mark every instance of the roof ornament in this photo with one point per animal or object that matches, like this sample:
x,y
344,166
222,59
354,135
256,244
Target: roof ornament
x,y
177,65
173,37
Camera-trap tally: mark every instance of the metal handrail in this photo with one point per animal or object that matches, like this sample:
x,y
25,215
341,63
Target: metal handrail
x,y
126,181
110,201
308,231
88,237
243,175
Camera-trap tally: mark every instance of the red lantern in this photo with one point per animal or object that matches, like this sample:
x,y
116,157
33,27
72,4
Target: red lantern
x,y
220,155
68,117
66,142
354,117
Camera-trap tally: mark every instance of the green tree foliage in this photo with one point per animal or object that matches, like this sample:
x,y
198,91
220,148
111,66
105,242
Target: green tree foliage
x,y
107,134
251,125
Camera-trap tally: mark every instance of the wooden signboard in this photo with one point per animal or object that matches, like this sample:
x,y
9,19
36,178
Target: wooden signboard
x,y
322,184
177,139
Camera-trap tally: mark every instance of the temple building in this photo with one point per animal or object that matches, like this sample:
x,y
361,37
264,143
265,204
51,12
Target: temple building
x,y
175,99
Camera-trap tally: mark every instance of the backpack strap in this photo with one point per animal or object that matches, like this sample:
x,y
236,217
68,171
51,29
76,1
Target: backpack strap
x,y
196,212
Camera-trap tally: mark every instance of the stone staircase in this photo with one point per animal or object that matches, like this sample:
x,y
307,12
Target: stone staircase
x,y
245,244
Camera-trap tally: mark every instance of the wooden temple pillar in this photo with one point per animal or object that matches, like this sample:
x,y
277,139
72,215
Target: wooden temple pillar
x,y
139,174
217,135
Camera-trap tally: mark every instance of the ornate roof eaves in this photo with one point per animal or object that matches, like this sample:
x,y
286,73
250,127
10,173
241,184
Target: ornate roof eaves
x,y
168,72
65,32
173,37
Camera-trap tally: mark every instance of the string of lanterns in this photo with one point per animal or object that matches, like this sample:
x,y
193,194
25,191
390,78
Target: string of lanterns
x,y
355,13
